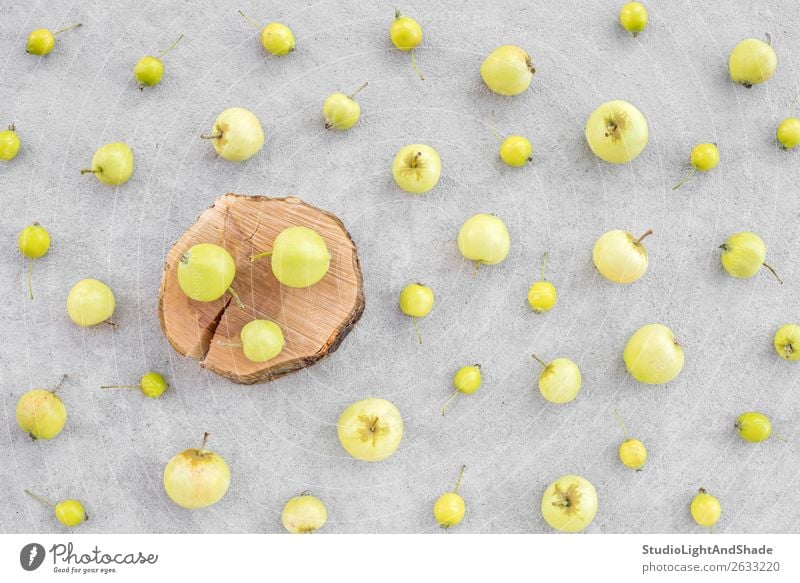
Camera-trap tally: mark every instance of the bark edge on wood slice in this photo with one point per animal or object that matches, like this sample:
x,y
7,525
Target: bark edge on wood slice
x,y
314,320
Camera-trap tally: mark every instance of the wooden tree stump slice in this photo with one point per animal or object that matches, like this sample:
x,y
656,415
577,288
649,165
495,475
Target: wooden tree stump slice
x,y
314,320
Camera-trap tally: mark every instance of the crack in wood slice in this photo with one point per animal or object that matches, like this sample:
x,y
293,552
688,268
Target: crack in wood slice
x,y
314,320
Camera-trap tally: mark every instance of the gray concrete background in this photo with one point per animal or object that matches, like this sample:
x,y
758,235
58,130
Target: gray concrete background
x,y
280,438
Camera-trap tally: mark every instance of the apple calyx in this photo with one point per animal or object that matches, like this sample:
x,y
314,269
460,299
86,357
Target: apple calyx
x,y
647,233
567,499
529,64
616,123
372,429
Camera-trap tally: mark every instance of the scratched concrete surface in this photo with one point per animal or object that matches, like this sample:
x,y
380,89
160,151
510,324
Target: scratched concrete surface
x,y
280,438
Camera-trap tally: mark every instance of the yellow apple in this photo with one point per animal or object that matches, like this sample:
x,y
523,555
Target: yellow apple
x,y
196,477
370,429
417,168
236,134
653,356
620,257
569,504
787,341
617,132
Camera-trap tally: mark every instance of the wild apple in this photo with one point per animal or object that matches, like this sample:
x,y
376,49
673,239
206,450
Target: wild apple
x,y
370,429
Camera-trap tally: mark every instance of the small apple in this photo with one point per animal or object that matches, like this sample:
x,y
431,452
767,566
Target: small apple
x,y
653,356
304,514
68,512
197,477
484,239
341,112
370,429
42,41
90,302
620,257
449,508
743,255
9,143
617,132
417,168
236,134
262,340
787,342
300,257
569,504
705,508
206,272
112,164
149,70
41,413
560,380
507,70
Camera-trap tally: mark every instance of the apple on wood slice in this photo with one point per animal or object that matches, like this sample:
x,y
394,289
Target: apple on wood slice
x,y
313,320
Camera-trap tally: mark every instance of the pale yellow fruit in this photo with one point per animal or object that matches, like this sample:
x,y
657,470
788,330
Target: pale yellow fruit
x,y
620,257
653,356
507,70
370,429
569,504
617,132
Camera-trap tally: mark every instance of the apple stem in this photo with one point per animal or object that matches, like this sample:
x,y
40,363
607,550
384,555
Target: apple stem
x,y
354,93
67,28
30,277
416,328
497,135
60,383
684,179
250,20
449,400
39,499
781,438
772,270
119,387
90,171
544,264
397,13
12,127
201,448
214,136
110,323
236,298
477,267
621,424
460,475
261,255
539,360
170,47
646,234
414,64
769,38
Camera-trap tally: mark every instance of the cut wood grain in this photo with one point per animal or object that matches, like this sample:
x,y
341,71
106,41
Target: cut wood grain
x,y
314,320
